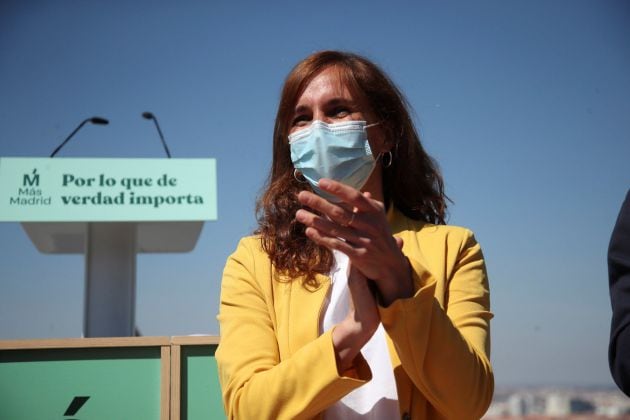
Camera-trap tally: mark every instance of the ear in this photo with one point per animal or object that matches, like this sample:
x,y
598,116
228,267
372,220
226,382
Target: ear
x,y
387,137
387,146
378,140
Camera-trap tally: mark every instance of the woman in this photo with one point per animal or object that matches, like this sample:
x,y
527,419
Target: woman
x,y
353,300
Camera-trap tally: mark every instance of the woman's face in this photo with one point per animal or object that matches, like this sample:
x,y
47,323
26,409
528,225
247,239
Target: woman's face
x,y
327,99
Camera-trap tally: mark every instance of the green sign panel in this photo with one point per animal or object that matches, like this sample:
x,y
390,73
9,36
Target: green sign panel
x,y
110,383
107,190
201,392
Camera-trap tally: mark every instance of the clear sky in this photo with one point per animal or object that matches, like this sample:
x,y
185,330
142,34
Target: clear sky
x,y
524,104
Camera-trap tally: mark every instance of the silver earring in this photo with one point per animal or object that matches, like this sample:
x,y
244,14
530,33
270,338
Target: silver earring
x,y
295,175
387,162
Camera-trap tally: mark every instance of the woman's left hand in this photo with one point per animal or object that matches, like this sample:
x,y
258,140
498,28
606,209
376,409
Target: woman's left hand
x,y
357,226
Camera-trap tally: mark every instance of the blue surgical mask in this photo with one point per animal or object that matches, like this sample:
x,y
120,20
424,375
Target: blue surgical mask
x,y
338,151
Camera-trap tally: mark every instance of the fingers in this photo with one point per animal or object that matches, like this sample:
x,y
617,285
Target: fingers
x,y
340,213
336,212
329,228
343,227
351,246
357,226
354,198
349,212
350,335
363,300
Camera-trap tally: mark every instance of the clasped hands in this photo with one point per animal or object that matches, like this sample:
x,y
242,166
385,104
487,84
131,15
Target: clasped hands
x,y
357,226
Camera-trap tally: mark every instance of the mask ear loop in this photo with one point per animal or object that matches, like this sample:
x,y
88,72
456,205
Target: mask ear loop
x,y
295,175
382,155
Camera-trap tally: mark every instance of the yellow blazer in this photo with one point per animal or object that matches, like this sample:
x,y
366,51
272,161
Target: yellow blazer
x,y
274,364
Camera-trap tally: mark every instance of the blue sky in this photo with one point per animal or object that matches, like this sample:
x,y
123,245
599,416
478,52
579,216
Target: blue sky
x,y
524,104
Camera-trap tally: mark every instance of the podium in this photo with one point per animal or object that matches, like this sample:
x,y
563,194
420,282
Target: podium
x,y
109,210
166,378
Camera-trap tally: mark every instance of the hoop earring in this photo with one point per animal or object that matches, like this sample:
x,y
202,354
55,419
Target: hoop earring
x,y
387,162
301,181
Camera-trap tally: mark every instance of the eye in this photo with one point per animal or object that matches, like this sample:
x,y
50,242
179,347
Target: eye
x,y
300,121
341,112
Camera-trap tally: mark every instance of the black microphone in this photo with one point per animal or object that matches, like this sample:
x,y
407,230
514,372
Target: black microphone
x,y
150,116
93,120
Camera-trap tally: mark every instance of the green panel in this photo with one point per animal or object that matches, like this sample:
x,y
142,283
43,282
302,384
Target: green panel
x,y
107,190
121,383
201,393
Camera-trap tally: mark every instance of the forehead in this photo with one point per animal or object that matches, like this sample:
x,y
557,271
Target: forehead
x,y
327,84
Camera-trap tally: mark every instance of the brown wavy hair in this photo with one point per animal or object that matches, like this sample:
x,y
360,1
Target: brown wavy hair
x,y
412,183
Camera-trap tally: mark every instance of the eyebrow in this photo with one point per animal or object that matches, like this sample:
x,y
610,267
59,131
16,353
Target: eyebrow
x,y
331,102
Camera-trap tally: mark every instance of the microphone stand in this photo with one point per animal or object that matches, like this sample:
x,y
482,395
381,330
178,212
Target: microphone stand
x,y
93,120
150,116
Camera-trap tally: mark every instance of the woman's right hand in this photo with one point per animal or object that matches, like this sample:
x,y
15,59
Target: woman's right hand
x,y
362,320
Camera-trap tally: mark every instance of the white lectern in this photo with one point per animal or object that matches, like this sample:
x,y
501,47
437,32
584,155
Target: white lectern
x,y
110,210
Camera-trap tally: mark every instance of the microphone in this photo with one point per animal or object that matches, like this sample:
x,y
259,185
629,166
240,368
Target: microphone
x,y
149,116
93,120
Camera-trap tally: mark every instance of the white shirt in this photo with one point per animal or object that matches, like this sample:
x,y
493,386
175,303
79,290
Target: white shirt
x,y
377,399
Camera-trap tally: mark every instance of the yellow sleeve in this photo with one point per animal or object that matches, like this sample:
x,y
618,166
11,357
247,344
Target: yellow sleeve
x,y
446,352
255,383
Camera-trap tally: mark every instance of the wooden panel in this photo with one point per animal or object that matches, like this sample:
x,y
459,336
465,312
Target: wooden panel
x,y
176,390
165,383
60,343
191,340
